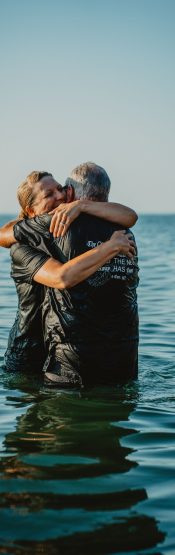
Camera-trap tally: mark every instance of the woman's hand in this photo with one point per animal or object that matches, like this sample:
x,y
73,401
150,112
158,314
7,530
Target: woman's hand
x,y
123,243
63,216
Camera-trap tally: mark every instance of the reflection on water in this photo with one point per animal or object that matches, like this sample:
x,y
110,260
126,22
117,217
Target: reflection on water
x,y
66,475
94,473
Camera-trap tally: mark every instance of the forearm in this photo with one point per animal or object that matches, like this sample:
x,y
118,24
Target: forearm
x,y
111,211
7,237
80,268
63,276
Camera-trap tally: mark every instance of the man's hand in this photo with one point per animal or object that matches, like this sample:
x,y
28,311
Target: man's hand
x,y
123,243
63,216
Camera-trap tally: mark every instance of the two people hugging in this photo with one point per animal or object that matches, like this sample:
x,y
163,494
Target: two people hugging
x,y
75,266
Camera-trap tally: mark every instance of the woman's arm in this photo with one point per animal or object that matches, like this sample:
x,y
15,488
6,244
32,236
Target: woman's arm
x,y
7,238
65,214
111,211
64,276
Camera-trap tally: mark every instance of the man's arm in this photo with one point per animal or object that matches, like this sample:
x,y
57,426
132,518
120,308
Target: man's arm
x,y
65,214
7,238
29,264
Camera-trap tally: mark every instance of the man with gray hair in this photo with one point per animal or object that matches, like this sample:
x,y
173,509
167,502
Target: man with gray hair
x,y
90,330
89,181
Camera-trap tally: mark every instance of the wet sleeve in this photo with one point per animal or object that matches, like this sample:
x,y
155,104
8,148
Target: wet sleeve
x,y
34,232
26,262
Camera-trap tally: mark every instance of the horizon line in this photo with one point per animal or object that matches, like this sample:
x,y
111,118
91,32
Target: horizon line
x,y
139,213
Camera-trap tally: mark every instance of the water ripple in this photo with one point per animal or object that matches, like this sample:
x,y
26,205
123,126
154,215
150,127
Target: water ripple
x,y
95,473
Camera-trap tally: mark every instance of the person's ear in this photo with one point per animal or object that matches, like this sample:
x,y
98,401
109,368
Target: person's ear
x,y
69,193
30,212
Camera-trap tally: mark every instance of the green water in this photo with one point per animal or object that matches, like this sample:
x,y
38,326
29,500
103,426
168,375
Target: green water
x,y
94,473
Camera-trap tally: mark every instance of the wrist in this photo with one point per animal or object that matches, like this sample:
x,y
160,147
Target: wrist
x,y
78,204
84,205
111,248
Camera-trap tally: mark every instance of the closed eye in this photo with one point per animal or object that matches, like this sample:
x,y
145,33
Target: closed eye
x,y
49,193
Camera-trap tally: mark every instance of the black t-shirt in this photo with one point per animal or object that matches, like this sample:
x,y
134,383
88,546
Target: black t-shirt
x,y
25,350
96,322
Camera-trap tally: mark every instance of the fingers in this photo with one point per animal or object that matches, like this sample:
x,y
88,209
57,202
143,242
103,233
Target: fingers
x,y
59,224
57,218
62,219
128,248
56,213
61,230
130,237
54,222
132,247
60,227
52,211
132,251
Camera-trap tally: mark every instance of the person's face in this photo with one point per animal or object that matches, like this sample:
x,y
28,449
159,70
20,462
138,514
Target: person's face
x,y
48,195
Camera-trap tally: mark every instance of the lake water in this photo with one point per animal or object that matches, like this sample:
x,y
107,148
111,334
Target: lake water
x,y
94,473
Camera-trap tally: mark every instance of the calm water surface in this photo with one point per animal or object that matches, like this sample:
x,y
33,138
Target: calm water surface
x,y
94,473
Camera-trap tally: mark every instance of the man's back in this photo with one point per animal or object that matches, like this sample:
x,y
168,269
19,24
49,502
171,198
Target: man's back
x,y
97,321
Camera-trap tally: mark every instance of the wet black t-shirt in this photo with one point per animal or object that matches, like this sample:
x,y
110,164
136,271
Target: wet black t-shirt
x,y
91,328
25,350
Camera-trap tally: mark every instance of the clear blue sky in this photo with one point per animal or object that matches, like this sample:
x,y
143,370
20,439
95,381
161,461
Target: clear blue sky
x,y
90,80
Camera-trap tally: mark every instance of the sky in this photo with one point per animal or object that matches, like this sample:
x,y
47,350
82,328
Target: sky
x,y
89,80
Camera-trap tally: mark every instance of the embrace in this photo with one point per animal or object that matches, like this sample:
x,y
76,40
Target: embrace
x,y
74,263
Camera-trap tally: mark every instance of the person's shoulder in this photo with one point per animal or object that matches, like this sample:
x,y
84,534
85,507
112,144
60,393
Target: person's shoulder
x,y
40,223
19,251
16,249
26,261
43,219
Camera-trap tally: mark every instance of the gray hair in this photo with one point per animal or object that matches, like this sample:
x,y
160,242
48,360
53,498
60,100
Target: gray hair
x,y
89,181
